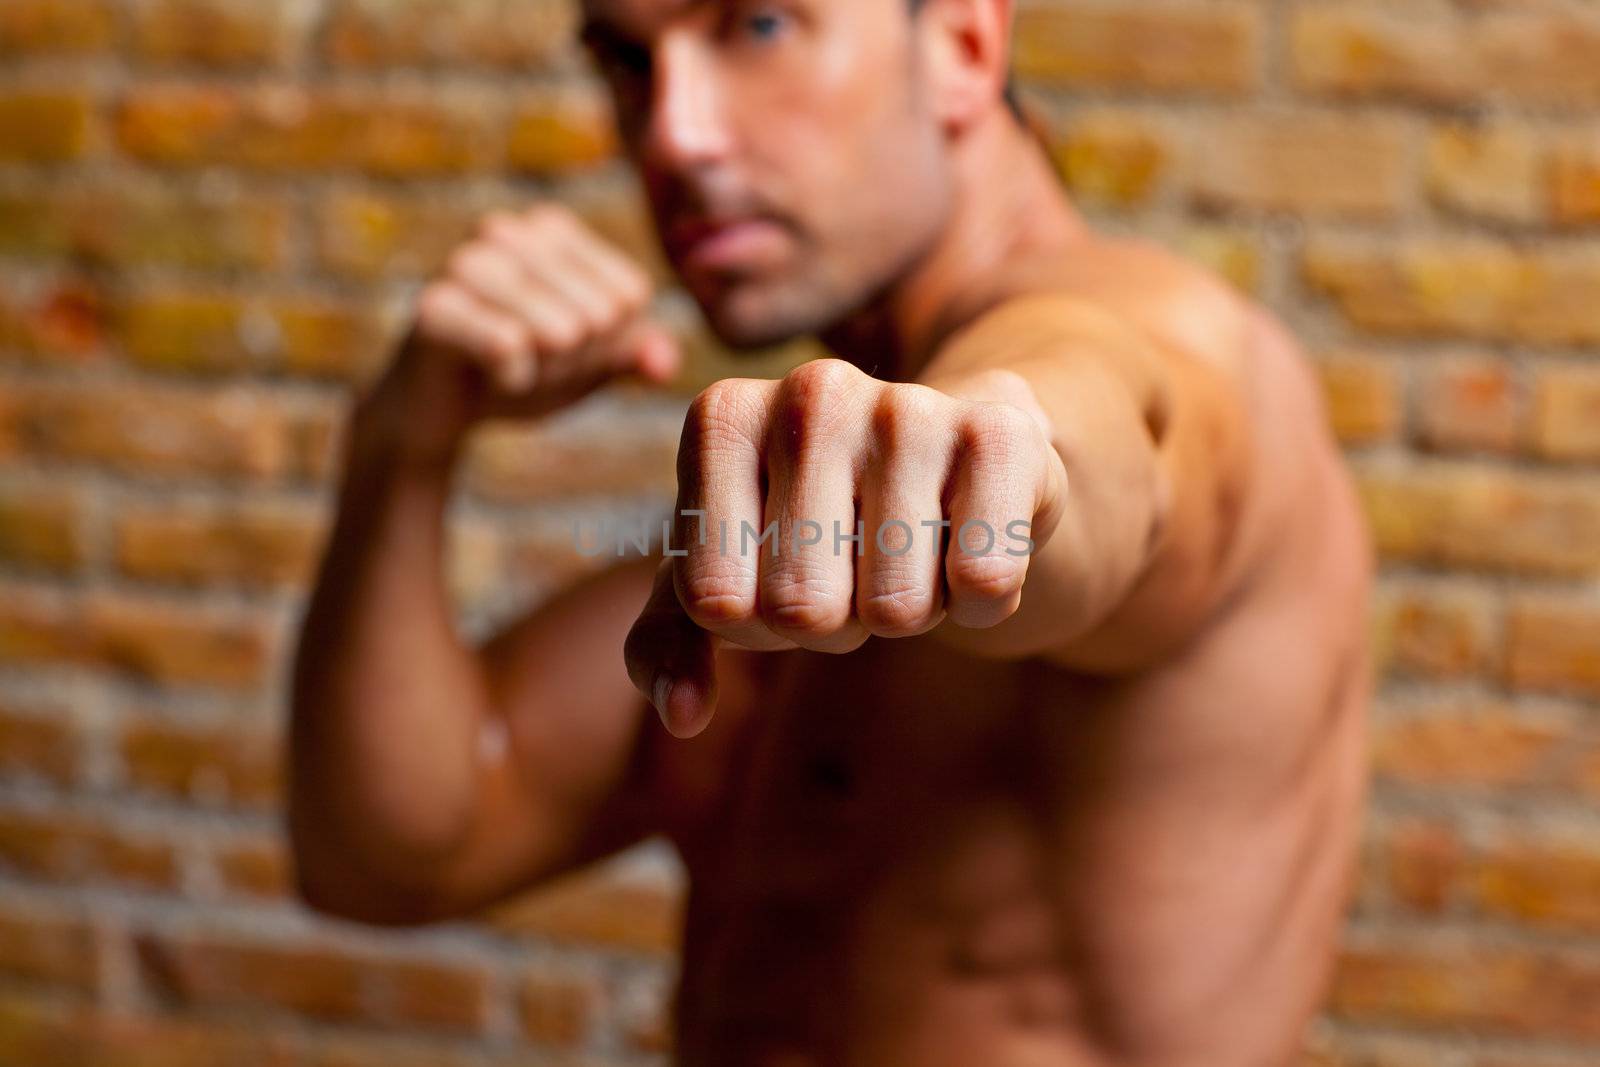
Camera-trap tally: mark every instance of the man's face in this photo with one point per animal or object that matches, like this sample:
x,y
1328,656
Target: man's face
x,y
786,146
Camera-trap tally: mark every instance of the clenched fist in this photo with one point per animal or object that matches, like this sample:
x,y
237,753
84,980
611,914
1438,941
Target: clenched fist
x,y
817,511
531,314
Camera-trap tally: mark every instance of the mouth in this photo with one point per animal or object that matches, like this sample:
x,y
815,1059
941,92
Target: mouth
x,y
725,244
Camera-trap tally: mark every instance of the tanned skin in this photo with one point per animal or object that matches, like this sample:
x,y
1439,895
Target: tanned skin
x,y
1096,805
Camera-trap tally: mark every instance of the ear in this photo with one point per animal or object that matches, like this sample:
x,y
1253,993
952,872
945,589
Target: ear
x,y
968,48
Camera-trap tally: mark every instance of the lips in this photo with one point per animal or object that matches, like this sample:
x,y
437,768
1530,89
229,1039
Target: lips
x,y
726,243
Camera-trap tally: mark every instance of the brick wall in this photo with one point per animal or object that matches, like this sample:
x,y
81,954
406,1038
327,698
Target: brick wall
x,y
211,214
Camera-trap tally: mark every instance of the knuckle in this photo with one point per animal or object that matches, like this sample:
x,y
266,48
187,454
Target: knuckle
x,y
902,411
547,217
501,226
891,612
998,429
811,398
712,599
468,261
984,577
819,381
803,607
718,412
436,300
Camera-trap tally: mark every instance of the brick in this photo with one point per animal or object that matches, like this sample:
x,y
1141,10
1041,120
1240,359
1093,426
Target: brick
x,y
1540,58
43,529
279,128
62,323
215,766
171,645
259,867
1467,745
316,980
1487,989
366,235
156,642
78,849
1495,173
251,546
561,132
1468,404
44,27
130,224
240,434
55,947
51,1033
43,126
1305,163
1462,516
1573,175
521,35
1363,394
1547,882
1472,289
1111,159
42,742
216,33
516,463
601,909
1553,644
1566,413
557,1009
1435,631
1163,48
1233,256
1424,863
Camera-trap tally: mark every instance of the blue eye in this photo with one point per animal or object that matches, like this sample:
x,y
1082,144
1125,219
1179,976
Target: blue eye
x,y
765,25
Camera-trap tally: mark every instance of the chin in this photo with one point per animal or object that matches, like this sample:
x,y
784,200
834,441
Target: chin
x,y
751,316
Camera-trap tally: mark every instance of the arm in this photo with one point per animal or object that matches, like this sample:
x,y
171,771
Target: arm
x,y
429,778
1156,446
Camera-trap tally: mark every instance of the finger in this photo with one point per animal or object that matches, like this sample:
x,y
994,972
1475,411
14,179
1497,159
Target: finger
x,y
496,341
997,474
497,278
542,252
717,525
900,577
807,590
671,661
648,348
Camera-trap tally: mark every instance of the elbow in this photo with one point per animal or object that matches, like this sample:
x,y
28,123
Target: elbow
x,y
334,881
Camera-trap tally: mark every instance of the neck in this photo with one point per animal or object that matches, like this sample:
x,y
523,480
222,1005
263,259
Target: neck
x,y
1008,205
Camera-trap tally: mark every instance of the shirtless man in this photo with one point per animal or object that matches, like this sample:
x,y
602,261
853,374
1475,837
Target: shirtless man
x,y
941,804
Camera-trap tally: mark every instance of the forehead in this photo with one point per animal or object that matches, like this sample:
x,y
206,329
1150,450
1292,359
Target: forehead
x,y
643,18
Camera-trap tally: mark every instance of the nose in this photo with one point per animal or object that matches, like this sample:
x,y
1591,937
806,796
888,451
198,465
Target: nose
x,y
688,125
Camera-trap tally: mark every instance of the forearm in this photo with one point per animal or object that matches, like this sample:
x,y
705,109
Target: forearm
x,y
388,702
1152,447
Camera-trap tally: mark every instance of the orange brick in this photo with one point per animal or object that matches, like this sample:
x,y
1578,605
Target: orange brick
x,y
1468,745
52,1033
1166,48
1306,163
367,235
129,224
1439,631
216,33
49,946
1459,515
1548,882
1495,173
78,849
316,980
258,867
239,433
1529,56
1468,404
560,132
1474,289
1553,644
1363,396
1116,159
1566,413
558,1009
38,741
1424,861
601,909
518,34
513,462
1574,185
1489,990
1232,255
252,546
43,529
62,323
230,766
289,129
43,126
167,644
55,26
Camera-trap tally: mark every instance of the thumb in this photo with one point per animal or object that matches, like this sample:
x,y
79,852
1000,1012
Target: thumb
x,y
652,351
672,661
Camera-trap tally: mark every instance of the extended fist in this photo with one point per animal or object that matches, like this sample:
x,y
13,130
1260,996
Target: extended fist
x,y
817,511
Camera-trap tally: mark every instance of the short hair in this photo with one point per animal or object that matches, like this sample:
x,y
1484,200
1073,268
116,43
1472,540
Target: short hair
x,y
1009,94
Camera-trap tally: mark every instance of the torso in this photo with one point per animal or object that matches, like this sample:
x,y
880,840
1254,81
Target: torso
x,y
906,856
